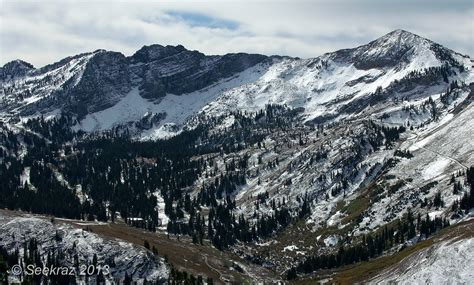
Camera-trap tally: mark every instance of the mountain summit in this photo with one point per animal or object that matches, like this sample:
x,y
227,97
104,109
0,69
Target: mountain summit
x,y
394,48
15,68
398,39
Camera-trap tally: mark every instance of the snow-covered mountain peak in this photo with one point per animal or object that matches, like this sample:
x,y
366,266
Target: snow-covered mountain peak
x,y
343,83
19,62
399,38
155,52
396,43
400,49
396,48
15,68
34,90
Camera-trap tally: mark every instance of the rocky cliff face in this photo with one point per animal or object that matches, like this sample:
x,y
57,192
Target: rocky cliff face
x,y
92,82
105,80
175,70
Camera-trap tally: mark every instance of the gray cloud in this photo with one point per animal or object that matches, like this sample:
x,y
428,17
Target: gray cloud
x,y
42,32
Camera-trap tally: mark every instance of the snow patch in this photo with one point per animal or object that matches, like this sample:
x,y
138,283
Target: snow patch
x,y
290,248
435,168
331,241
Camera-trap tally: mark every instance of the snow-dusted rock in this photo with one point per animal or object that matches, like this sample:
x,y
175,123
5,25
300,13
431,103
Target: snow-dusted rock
x,y
122,257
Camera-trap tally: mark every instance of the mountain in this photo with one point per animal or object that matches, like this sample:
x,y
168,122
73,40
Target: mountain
x,y
255,168
13,69
399,48
173,84
91,82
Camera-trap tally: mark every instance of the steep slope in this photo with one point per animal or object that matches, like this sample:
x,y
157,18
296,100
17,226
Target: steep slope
x,y
35,90
79,84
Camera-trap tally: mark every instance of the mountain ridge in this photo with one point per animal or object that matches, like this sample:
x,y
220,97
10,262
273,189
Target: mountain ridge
x,y
394,33
92,82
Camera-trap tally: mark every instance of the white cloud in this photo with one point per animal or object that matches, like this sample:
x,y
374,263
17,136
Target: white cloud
x,y
42,32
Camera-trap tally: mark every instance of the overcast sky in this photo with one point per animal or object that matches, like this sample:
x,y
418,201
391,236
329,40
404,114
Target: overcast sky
x,y
43,32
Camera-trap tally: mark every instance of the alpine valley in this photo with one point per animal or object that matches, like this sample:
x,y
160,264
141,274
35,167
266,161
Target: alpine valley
x,y
171,166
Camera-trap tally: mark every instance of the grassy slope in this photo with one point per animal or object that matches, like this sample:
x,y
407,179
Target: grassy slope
x,y
183,254
202,260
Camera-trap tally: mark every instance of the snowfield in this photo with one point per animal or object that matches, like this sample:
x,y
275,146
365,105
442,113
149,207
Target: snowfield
x,y
177,109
